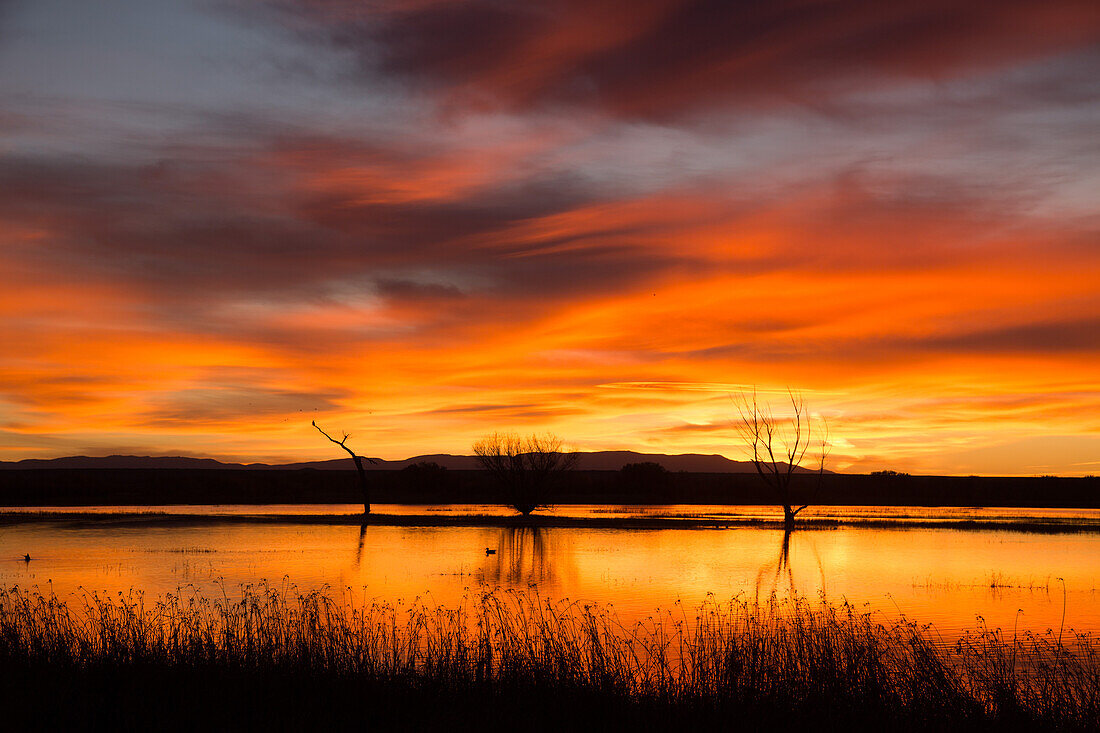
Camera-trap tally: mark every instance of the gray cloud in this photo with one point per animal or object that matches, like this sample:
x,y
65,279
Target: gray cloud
x,y
660,58
229,403
1078,335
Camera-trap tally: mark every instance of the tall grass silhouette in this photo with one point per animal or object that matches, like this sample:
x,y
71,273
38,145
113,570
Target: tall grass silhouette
x,y
791,658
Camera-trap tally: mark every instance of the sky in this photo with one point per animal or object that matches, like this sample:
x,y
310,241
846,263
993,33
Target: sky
x,y
422,221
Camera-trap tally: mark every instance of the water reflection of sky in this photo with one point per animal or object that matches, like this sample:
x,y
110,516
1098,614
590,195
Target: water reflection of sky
x,y
944,576
615,511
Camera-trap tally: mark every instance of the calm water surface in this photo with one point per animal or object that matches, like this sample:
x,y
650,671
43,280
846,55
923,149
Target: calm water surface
x,y
949,577
698,511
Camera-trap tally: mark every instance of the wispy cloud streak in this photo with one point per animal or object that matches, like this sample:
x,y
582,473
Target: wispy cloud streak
x,y
430,220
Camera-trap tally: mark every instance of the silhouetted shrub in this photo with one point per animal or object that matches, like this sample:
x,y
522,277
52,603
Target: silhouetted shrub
x,y
425,478
647,479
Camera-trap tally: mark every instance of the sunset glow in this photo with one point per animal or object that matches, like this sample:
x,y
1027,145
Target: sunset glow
x,y
420,222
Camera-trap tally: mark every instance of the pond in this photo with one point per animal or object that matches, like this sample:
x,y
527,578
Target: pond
x,y
953,578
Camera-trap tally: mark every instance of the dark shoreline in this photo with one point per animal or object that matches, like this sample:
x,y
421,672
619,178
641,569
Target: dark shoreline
x,y
164,519
139,487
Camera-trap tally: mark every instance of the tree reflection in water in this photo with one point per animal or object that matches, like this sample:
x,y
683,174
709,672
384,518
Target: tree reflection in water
x,y
359,550
522,557
782,568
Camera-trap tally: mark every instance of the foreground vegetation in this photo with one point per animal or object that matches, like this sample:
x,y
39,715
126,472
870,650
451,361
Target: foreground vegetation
x,y
271,658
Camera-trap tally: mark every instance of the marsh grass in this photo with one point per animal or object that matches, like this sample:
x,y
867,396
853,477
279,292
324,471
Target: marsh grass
x,y
272,657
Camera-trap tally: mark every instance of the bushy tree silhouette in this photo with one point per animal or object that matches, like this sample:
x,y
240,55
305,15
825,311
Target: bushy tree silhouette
x,y
525,468
425,478
646,479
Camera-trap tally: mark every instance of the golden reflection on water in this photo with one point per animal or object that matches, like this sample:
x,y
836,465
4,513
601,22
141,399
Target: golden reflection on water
x,y
947,577
718,512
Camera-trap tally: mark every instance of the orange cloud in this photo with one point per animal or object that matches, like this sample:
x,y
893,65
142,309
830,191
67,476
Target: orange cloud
x,y
560,221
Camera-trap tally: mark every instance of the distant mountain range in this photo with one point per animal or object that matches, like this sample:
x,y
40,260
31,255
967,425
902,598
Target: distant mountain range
x,y
596,461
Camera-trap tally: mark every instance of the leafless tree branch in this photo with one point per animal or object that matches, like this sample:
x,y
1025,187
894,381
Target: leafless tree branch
x,y
778,446
343,443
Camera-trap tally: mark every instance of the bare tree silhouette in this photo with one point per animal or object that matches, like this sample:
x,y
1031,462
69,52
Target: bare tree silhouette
x,y
778,446
525,468
358,464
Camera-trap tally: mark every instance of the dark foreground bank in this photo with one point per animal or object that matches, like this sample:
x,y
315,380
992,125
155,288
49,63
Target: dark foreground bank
x,y
136,519
505,661
416,485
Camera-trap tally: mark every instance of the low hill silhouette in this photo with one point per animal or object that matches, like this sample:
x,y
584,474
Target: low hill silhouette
x,y
594,461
